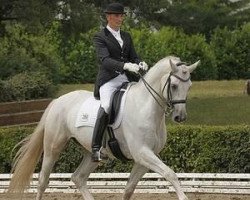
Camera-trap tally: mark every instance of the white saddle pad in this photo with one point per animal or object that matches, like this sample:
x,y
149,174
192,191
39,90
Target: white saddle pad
x,y
87,114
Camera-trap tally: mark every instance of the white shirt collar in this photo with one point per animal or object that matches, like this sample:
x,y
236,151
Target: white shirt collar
x,y
114,32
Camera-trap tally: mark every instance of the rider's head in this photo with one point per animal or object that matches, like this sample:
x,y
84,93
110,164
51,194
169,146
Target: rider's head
x,y
115,15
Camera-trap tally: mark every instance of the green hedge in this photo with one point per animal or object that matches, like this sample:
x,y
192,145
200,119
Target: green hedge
x,y
80,65
226,56
153,46
232,52
26,86
214,149
208,149
21,52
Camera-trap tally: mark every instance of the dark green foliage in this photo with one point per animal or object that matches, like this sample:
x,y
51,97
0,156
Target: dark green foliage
x,y
75,16
74,60
153,46
226,57
26,86
80,16
69,159
214,149
191,16
9,137
22,52
232,50
80,64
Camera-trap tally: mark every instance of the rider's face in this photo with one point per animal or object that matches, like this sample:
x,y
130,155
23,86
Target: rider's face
x,y
115,20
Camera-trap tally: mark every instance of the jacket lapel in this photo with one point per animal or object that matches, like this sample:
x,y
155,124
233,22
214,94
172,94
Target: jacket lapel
x,y
111,38
124,38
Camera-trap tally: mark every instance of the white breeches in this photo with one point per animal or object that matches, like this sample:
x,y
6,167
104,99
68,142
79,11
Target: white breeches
x,y
108,88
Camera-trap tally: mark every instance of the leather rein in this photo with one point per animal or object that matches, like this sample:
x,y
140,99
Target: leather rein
x,y
166,105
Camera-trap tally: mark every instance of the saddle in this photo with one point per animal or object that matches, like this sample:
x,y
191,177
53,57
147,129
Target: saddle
x,y
115,107
115,102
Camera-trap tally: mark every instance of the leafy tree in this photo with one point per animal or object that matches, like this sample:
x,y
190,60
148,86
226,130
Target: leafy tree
x,y
80,64
33,13
153,46
76,16
22,52
232,50
193,16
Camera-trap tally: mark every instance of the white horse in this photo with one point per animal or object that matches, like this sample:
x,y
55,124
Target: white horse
x,y
141,135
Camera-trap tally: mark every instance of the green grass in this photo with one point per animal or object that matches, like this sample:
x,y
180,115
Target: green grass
x,y
65,88
207,89
218,103
219,111
209,102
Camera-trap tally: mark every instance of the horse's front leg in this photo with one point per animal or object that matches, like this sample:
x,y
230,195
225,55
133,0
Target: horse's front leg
x,y
136,174
147,158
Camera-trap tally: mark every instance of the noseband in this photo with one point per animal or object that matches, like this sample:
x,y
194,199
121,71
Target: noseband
x,y
169,102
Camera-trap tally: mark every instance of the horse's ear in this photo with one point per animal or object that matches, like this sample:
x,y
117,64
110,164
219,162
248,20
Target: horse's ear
x,y
173,66
193,66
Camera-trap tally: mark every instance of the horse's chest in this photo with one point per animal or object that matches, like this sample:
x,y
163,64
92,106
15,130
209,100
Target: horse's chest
x,y
159,139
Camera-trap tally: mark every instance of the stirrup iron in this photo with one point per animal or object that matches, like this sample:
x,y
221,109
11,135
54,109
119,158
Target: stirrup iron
x,y
96,156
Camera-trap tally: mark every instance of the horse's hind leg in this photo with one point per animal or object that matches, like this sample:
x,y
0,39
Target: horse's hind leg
x,y
53,145
136,174
82,173
151,161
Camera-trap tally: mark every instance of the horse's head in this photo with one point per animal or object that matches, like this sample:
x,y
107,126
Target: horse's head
x,y
175,86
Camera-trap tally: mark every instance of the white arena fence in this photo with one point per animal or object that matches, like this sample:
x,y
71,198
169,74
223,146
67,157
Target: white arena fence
x,y
150,183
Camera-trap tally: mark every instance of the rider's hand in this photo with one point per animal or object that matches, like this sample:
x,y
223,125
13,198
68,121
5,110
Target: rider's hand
x,y
132,67
143,66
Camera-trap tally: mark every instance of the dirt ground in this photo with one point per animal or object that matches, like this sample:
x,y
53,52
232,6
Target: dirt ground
x,y
170,196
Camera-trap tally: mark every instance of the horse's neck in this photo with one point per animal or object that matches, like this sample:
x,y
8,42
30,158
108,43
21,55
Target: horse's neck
x,y
155,74
144,100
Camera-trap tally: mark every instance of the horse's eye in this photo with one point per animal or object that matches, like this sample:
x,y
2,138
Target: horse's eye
x,y
174,86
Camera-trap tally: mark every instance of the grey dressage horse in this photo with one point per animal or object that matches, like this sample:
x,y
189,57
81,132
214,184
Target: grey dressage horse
x,y
141,134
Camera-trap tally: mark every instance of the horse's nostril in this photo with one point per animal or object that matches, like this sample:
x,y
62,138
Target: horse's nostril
x,y
177,118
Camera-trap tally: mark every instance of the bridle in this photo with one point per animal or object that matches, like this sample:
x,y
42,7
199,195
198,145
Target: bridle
x,y
166,105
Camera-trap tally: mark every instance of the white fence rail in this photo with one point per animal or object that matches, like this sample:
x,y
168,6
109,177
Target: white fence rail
x,y
150,183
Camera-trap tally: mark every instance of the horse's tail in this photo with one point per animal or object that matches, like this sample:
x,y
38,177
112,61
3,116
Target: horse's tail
x,y
27,157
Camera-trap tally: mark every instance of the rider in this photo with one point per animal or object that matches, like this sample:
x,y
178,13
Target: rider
x,y
117,57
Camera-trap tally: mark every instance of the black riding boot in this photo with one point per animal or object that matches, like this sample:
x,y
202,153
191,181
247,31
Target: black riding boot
x,y
100,126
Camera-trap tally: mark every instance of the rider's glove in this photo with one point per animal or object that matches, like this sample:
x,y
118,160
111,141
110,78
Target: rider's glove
x,y
132,67
143,66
